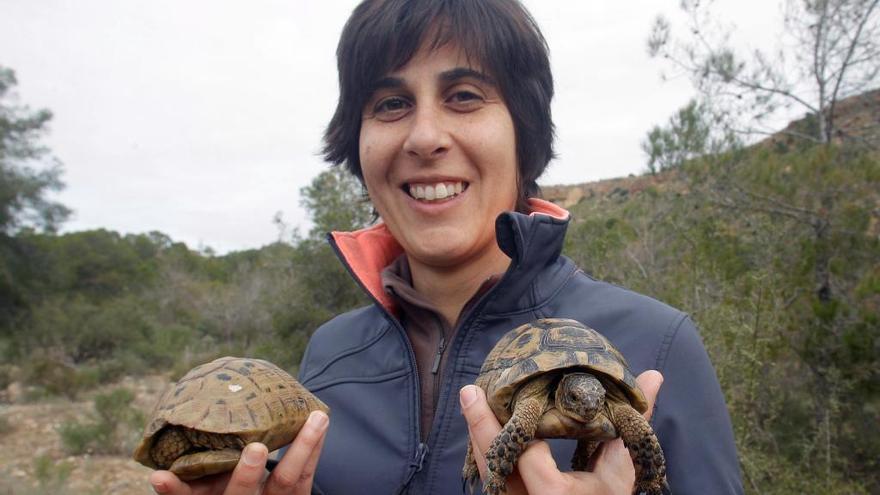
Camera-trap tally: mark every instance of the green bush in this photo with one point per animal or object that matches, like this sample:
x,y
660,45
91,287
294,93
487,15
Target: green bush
x,y
6,375
53,377
51,474
83,438
114,428
5,426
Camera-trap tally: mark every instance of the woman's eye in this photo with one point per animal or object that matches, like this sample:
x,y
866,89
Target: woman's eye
x,y
465,99
391,108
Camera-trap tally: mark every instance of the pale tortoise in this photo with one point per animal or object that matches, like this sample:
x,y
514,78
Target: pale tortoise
x,y
201,424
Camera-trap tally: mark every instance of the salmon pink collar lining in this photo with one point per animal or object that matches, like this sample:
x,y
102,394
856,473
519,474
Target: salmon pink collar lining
x,y
368,251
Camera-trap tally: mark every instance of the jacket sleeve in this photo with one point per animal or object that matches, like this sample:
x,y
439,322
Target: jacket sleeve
x,y
691,419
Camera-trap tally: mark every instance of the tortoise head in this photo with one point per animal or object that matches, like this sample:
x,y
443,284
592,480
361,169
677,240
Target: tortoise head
x,y
580,396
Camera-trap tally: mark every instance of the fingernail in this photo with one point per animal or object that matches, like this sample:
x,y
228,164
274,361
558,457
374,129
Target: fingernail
x,y
160,487
318,420
467,396
255,454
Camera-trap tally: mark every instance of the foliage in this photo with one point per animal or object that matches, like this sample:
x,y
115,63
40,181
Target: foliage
x,y
319,286
101,305
23,189
6,426
51,475
686,136
794,344
829,51
336,200
779,243
113,429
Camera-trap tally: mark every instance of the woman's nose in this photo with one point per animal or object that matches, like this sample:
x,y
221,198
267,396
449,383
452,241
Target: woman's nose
x,y
428,137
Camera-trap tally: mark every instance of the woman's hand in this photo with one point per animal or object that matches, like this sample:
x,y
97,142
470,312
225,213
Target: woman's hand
x,y
536,470
292,476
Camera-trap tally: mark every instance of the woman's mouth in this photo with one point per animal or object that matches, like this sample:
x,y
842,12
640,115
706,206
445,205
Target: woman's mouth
x,y
436,191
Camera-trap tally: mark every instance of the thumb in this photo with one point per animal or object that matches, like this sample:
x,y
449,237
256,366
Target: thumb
x,y
649,382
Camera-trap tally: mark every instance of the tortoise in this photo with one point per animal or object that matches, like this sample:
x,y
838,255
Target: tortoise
x,y
556,378
201,424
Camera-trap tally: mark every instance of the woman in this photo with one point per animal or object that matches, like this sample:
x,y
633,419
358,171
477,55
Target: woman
x,y
444,115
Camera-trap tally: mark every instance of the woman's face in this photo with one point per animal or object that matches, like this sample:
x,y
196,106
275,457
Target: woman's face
x,y
438,154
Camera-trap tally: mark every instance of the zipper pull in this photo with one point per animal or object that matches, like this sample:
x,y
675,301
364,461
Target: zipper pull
x,y
436,367
415,465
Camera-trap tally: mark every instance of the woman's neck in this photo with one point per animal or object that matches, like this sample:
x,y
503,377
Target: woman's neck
x,y
450,288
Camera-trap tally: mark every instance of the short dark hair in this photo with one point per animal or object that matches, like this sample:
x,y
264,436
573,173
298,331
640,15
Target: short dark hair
x,y
383,35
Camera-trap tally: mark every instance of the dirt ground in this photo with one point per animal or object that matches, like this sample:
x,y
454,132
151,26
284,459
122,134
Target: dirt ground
x,y
32,458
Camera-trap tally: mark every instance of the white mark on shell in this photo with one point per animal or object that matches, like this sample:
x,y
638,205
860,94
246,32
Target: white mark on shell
x,y
234,388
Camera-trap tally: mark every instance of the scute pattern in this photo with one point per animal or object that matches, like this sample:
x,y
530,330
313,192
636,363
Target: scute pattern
x,y
250,399
551,344
533,364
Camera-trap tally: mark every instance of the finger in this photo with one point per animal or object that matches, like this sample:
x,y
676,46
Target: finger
x,y
482,424
539,471
166,483
296,470
650,382
248,473
613,466
308,475
483,427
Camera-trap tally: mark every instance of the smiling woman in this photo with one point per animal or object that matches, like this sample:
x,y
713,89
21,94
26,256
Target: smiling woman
x,y
440,123
444,116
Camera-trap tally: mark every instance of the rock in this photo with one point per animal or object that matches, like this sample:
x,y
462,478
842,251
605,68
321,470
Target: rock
x,y
14,393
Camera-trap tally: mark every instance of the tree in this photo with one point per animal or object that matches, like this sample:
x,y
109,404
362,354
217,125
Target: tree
x,y
336,200
805,216
320,287
22,188
687,135
831,53
836,48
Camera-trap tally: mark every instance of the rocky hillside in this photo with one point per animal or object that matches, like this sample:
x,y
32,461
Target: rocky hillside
x,y
857,117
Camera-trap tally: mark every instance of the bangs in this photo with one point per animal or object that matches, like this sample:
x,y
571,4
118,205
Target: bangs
x,y
398,28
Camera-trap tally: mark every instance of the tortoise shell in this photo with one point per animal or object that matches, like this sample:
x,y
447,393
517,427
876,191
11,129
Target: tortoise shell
x,y
250,398
547,346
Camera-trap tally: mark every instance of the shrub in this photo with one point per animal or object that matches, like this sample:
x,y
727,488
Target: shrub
x,y
5,426
113,430
51,474
53,377
79,438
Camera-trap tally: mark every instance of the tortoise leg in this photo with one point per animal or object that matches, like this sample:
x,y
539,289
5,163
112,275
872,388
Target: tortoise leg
x,y
502,455
644,449
582,454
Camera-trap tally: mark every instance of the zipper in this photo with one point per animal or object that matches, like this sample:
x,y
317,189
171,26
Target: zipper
x,y
422,450
436,366
459,334
418,460
415,465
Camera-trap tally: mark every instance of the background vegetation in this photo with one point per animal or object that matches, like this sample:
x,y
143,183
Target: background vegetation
x,y
772,245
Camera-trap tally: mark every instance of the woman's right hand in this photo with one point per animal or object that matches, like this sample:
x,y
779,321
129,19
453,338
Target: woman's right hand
x,y
293,475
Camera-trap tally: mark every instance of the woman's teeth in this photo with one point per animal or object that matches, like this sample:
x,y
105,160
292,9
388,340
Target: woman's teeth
x,y
432,192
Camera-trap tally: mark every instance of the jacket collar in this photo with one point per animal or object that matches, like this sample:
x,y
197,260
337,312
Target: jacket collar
x,y
531,241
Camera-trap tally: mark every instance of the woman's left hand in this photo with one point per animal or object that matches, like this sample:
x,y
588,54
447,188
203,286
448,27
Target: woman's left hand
x,y
536,470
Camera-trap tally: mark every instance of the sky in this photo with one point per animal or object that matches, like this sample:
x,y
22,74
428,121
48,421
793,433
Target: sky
x,y
203,118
